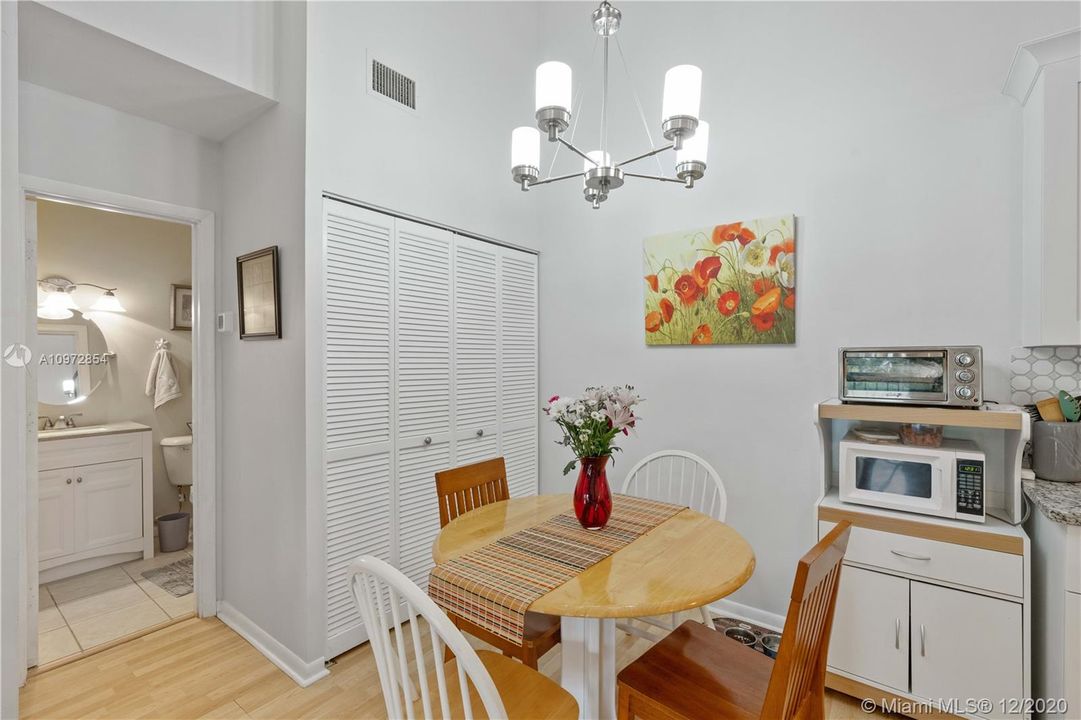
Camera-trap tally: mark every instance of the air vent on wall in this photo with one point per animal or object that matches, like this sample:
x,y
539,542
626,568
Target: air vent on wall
x,y
392,84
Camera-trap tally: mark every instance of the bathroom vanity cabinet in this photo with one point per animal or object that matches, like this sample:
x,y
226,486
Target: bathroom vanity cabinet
x,y
95,498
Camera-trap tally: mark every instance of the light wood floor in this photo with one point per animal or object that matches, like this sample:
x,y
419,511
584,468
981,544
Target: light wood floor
x,y
202,669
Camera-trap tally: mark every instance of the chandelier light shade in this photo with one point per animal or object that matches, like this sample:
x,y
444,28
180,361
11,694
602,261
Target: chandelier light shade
x,y
554,109
58,305
108,302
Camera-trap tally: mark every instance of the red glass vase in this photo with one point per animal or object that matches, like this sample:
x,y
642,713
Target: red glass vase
x,y
592,498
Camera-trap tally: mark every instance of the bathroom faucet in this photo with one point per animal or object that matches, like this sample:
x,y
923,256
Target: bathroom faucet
x,y
48,424
68,420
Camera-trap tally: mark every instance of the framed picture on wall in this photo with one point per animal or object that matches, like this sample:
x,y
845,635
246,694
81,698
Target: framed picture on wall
x,y
259,295
182,312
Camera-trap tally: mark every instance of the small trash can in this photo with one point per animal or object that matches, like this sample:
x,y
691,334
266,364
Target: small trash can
x,y
173,531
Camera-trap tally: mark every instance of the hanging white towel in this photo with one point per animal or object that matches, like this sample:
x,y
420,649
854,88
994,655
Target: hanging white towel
x,y
161,383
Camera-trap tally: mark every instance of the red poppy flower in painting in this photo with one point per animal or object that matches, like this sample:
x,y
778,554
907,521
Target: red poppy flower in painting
x,y
653,284
788,246
703,335
734,231
667,309
767,304
762,285
762,322
790,301
687,289
728,303
706,269
653,321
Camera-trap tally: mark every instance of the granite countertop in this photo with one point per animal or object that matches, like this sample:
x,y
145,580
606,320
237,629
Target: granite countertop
x,y
1060,501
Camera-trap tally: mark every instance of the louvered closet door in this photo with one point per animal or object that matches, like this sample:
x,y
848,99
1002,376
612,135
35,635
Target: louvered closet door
x,y
476,351
359,404
518,392
424,385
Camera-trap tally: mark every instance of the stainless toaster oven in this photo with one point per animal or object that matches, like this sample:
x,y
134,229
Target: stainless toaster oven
x,y
951,376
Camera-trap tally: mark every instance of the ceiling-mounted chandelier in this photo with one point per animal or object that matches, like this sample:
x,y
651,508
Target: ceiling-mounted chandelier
x,y
680,124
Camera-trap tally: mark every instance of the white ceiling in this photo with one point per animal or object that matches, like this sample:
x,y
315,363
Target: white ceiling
x,y
63,54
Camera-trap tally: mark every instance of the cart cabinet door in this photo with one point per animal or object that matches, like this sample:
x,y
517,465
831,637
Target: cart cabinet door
x,y
870,628
966,647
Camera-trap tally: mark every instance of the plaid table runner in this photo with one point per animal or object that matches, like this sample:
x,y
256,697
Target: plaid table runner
x,y
493,586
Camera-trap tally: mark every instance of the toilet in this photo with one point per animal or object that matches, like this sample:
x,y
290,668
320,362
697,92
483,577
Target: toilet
x,y
177,454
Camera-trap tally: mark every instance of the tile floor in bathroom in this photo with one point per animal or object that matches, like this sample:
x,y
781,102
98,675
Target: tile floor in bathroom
x,y
84,611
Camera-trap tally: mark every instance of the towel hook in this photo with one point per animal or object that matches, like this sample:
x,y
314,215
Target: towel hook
x,y
161,344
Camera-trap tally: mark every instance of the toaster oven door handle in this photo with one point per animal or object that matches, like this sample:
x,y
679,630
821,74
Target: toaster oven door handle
x,y
910,556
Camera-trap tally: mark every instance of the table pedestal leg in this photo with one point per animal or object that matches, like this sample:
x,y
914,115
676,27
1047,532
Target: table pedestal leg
x,y
589,665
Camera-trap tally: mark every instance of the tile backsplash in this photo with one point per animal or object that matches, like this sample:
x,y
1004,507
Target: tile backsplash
x,y
1038,373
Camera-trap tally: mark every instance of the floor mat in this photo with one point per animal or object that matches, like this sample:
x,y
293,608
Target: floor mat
x,y
174,578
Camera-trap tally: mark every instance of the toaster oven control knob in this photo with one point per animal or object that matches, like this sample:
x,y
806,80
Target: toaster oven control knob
x,y
965,359
965,393
965,376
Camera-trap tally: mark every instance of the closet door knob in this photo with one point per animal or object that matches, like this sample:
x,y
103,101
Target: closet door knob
x,y
427,441
78,480
480,433
69,481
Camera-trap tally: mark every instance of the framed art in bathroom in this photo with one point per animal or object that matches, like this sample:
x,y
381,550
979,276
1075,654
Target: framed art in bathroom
x,y
258,294
182,311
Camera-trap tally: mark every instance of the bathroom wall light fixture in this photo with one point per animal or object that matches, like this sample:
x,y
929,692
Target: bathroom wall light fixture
x,y
680,124
58,303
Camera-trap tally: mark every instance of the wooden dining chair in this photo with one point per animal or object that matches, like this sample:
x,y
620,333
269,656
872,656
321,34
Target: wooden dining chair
x,y
697,673
680,478
469,487
417,684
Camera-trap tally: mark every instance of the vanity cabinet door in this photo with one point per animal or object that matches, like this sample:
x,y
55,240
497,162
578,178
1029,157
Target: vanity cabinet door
x,y
966,646
56,513
108,503
870,627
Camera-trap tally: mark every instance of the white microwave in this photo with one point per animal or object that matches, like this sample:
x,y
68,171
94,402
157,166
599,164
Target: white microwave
x,y
946,481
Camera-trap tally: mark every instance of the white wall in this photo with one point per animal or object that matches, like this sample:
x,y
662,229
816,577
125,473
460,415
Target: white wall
x,y
882,128
230,40
263,531
142,257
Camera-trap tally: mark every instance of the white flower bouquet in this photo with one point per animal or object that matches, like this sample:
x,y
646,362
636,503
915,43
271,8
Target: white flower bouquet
x,y
592,421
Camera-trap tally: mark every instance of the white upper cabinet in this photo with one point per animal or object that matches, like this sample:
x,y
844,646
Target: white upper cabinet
x,y
1044,78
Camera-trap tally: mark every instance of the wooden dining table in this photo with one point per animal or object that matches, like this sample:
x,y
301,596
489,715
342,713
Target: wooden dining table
x,y
688,561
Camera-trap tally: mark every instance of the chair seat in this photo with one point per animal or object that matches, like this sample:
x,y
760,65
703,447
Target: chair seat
x,y
526,694
697,672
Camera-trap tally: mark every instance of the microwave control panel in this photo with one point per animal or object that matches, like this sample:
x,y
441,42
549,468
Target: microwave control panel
x,y
970,486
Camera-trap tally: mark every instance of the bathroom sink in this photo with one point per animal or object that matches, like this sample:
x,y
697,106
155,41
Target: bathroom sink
x,y
90,430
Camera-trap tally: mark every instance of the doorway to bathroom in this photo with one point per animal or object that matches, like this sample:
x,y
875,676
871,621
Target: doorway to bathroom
x,y
120,536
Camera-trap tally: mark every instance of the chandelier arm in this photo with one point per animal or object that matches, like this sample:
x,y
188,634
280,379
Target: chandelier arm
x,y
643,156
547,180
576,151
653,177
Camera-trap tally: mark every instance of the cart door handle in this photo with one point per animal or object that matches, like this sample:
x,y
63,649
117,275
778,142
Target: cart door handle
x,y
923,640
897,634
910,556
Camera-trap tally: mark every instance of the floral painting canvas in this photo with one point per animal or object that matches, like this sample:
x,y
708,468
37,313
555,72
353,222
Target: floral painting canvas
x,y
732,284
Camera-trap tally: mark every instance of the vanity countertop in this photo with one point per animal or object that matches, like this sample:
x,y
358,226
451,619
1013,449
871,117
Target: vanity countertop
x,y
65,433
1060,501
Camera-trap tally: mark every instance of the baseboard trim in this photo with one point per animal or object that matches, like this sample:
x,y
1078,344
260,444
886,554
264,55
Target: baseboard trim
x,y
731,608
302,673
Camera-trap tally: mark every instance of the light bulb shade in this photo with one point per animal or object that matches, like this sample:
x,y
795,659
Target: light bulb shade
x,y
108,302
525,147
47,313
695,148
554,85
596,158
682,92
59,300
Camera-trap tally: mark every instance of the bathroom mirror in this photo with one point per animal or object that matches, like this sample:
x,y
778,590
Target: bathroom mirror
x,y
72,360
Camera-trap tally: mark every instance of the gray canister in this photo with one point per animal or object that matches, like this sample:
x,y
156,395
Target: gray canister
x,y
1056,451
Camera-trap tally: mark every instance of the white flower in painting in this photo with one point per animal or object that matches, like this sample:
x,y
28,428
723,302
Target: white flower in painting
x,y
755,256
786,269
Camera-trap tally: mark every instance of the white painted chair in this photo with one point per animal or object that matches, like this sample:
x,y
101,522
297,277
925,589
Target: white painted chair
x,y
680,478
502,688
